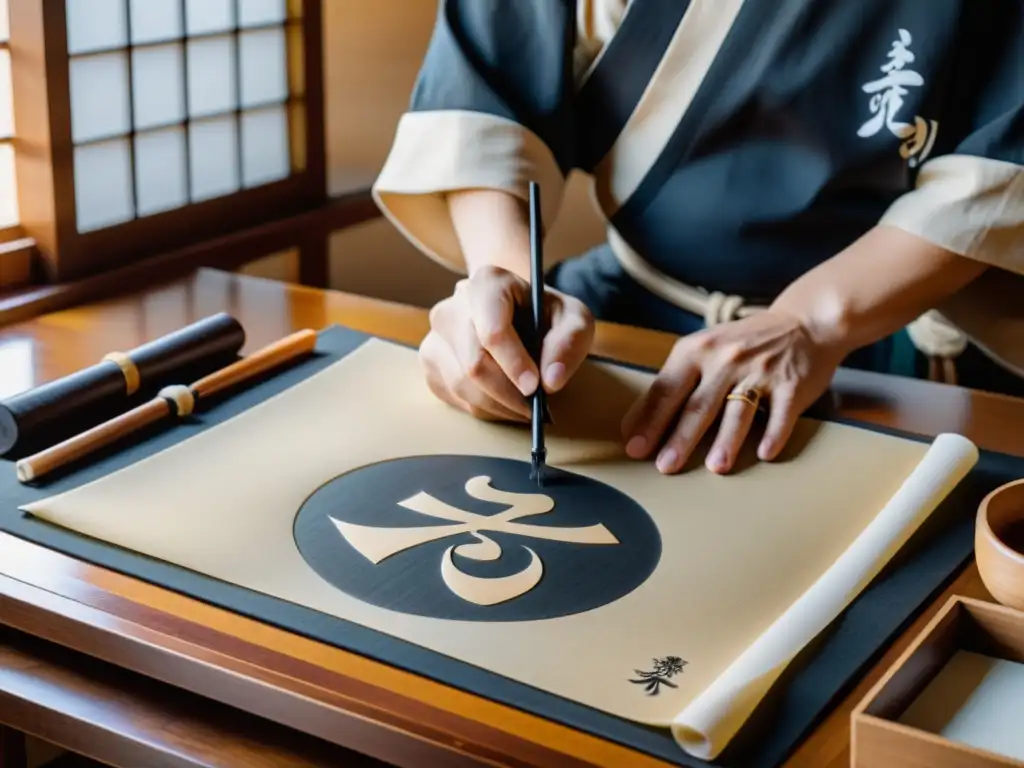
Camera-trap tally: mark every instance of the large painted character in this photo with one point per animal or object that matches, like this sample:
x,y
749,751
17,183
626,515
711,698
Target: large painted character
x,y
471,538
734,145
376,543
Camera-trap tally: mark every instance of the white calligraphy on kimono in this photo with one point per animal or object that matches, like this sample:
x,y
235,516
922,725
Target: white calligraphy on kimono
x,y
376,544
887,99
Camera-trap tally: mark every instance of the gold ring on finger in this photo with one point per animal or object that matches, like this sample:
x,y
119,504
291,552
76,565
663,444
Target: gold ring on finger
x,y
748,395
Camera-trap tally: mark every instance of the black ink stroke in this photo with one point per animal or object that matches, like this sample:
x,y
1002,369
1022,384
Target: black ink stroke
x,y
665,668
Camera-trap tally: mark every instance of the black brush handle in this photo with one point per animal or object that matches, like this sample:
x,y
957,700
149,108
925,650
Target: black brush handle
x,y
540,407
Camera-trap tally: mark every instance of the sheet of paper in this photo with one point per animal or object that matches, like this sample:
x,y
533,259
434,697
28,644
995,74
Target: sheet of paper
x,y
693,645
975,700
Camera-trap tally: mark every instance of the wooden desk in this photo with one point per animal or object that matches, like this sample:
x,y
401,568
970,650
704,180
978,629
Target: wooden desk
x,y
313,688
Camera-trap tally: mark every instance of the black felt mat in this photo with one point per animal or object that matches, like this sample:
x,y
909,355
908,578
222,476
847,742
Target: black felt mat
x,y
818,678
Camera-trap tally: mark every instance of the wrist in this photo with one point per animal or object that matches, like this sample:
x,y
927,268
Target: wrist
x,y
506,257
827,322
493,230
874,287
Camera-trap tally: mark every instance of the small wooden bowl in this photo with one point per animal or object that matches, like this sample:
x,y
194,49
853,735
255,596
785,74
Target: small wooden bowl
x,y
999,543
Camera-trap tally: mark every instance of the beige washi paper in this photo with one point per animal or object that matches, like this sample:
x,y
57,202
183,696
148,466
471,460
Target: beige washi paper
x,y
753,565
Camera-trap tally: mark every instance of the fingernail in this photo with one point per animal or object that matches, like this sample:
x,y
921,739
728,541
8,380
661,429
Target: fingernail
x,y
637,447
667,460
554,376
717,460
528,383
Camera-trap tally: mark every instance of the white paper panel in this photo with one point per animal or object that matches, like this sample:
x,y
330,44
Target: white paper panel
x,y
8,194
18,364
155,20
95,25
255,12
99,96
213,158
103,185
157,85
160,170
205,16
6,106
211,76
4,28
264,67
265,146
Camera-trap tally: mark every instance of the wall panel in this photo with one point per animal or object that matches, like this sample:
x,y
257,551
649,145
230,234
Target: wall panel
x,y
373,52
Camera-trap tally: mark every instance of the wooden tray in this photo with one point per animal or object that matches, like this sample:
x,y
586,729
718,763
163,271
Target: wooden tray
x,y
880,740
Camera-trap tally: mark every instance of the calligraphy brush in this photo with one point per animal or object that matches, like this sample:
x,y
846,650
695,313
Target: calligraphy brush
x,y
538,455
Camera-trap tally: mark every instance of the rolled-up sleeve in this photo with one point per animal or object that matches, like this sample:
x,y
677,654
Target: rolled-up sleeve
x,y
492,109
970,205
971,200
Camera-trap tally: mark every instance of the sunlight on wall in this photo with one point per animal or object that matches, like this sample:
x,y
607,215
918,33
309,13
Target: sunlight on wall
x,y
8,198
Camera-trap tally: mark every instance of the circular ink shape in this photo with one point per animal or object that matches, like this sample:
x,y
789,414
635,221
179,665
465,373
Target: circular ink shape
x,y
473,538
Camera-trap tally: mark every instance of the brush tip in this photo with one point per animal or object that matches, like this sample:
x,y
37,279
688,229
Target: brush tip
x,y
537,469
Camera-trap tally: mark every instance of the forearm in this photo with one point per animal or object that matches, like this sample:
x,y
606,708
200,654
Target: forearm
x,y
870,290
493,228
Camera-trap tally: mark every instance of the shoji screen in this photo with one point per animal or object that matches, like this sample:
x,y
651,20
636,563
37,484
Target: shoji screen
x,y
177,120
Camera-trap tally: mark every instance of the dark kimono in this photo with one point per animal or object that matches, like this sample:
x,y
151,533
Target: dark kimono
x,y
733,144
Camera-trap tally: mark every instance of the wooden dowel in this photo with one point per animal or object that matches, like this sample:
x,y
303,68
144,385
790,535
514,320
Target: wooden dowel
x,y
81,445
173,401
298,344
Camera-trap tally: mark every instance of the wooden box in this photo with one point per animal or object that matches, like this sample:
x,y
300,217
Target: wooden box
x,y
963,672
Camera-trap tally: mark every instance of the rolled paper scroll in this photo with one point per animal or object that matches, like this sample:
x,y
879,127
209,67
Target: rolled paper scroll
x,y
176,401
41,417
711,720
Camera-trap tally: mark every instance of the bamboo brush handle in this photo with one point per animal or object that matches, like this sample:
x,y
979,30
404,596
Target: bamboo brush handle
x,y
81,445
172,401
278,353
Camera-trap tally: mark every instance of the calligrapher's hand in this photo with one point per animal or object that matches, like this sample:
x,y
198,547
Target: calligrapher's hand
x,y
770,353
474,359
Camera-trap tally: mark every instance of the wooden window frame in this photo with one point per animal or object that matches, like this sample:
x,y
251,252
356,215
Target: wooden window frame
x,y
8,234
44,160
16,250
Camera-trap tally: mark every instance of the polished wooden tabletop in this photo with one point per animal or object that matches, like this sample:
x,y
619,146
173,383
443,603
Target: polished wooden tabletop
x,y
336,696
